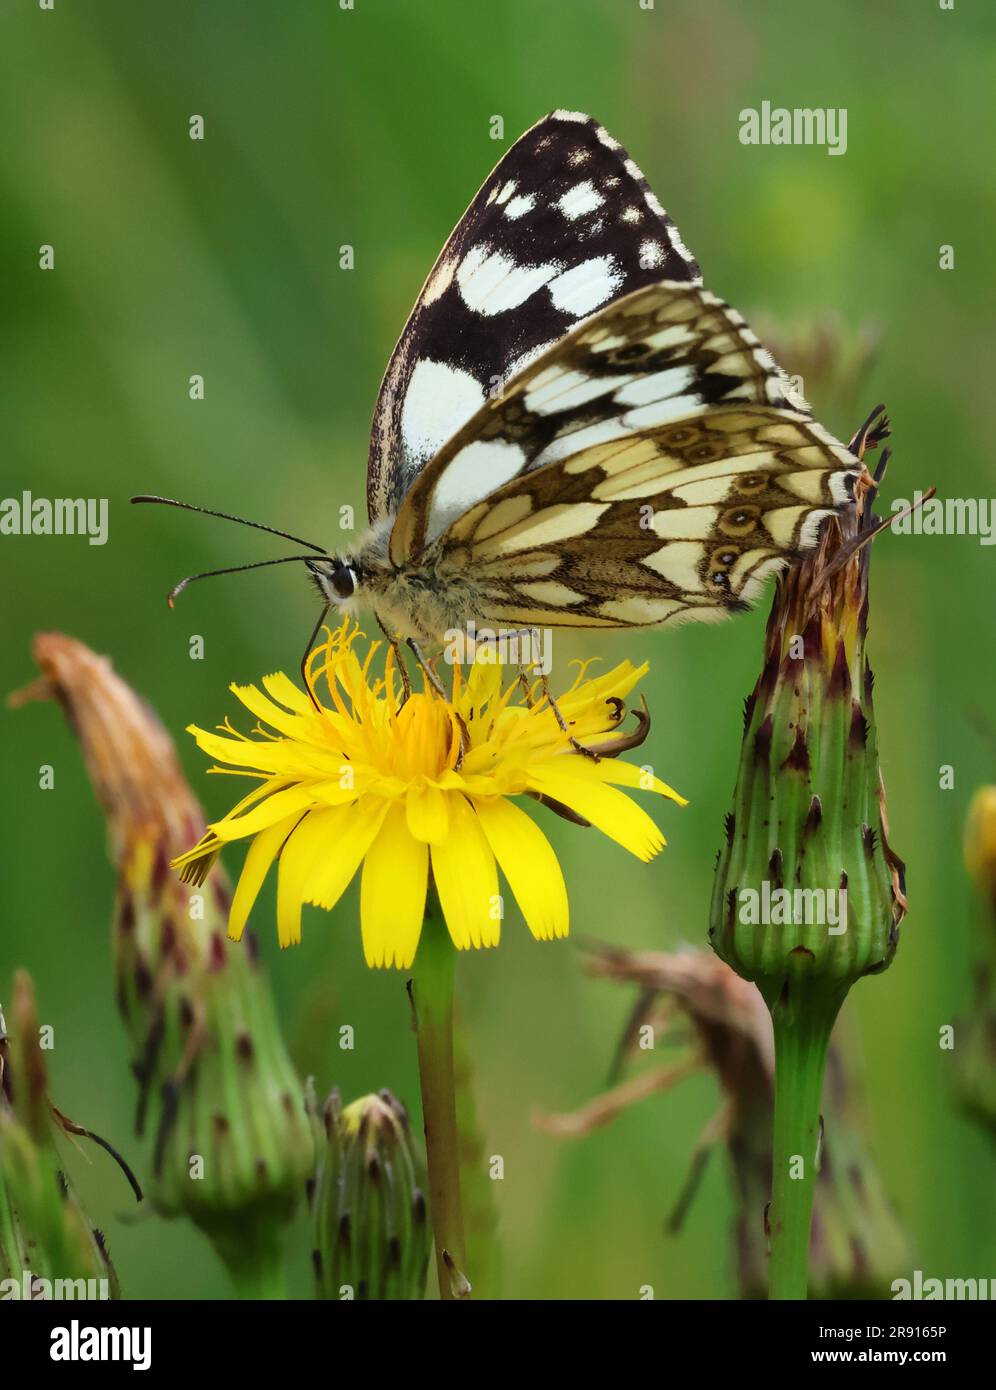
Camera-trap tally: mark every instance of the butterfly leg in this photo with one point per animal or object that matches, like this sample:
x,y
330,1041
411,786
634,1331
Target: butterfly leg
x,y
534,637
425,668
399,661
527,689
562,722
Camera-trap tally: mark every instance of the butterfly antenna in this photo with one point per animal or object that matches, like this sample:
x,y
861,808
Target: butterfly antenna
x,y
307,652
178,589
227,516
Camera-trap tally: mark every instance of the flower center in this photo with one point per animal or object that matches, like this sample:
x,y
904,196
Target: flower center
x,y
423,741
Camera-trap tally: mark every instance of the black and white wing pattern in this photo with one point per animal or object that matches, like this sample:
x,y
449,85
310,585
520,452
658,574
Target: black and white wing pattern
x,y
654,465
563,226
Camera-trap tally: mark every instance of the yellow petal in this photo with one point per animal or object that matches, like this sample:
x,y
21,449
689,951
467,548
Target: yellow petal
x,y
285,758
262,852
267,711
589,696
392,893
614,770
527,860
266,787
337,851
608,810
428,817
467,880
287,693
338,793
483,684
297,860
265,814
318,861
240,752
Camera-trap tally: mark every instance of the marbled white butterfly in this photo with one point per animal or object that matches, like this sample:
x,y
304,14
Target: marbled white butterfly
x,y
571,430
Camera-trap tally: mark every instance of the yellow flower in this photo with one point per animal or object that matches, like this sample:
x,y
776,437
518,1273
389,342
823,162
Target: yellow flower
x,y
396,786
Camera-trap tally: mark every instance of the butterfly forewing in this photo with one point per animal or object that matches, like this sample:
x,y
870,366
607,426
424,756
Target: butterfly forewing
x,y
564,225
655,465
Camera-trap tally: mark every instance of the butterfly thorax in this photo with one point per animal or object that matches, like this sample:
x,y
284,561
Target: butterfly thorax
x,y
424,600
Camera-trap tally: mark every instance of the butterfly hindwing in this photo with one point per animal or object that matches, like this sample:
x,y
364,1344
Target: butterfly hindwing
x,y
564,225
656,464
647,531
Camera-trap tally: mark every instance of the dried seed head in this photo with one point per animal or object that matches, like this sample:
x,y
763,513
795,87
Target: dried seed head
x,y
197,1008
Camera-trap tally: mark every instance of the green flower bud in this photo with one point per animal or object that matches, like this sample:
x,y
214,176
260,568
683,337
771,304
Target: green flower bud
x,y
46,1240
232,1144
807,888
808,894
372,1236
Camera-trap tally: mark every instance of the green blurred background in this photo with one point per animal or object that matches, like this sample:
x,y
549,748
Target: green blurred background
x,y
220,257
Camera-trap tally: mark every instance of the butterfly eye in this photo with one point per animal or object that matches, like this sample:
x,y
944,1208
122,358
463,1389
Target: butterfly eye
x,y
343,581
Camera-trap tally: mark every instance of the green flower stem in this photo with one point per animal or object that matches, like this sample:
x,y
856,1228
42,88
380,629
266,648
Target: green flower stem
x,y
432,997
802,1026
256,1266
